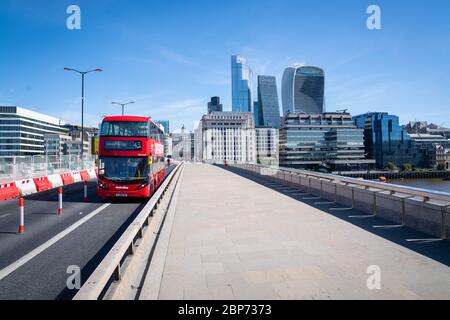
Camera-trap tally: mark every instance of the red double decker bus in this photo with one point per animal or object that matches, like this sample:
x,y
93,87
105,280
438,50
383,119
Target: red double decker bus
x,y
131,157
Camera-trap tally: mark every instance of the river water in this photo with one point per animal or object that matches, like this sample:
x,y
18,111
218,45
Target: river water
x,y
433,184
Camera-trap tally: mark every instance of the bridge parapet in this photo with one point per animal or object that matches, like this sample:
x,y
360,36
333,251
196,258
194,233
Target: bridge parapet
x,y
424,210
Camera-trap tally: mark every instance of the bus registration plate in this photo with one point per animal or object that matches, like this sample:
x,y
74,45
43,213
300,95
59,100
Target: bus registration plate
x,y
121,195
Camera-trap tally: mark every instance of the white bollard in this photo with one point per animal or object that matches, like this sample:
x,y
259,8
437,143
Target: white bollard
x,y
60,196
22,216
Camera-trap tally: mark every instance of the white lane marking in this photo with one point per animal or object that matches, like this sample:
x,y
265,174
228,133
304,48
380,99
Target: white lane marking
x,y
4,216
17,264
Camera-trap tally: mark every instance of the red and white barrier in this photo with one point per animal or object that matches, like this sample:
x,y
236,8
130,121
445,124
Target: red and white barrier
x,y
55,180
92,174
8,191
42,184
76,176
21,215
26,187
67,178
84,175
60,198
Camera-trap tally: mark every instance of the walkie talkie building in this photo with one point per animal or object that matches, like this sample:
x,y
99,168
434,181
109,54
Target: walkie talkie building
x,y
302,90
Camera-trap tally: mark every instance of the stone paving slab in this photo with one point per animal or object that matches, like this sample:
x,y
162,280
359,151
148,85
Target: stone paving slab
x,y
234,238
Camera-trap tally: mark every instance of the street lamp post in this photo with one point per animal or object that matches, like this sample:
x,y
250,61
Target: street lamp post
x,y
123,105
83,73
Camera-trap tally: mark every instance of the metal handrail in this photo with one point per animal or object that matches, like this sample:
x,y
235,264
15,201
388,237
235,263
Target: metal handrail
x,y
111,265
426,194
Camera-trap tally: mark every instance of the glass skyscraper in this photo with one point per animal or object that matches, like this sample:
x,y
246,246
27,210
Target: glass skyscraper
x,y
302,90
386,141
165,124
214,105
241,85
268,113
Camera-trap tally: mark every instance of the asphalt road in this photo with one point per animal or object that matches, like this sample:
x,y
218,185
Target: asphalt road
x,y
43,274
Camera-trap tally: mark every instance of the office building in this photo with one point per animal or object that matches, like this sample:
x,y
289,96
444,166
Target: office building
x,y
168,145
267,112
442,158
227,136
241,85
54,144
214,105
73,148
303,89
328,141
75,134
267,145
386,141
22,131
165,124
430,145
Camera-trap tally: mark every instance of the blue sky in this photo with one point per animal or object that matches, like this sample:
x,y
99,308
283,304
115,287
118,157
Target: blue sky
x,y
171,56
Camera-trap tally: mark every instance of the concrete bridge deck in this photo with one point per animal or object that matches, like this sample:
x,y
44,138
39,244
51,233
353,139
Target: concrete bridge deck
x,y
237,236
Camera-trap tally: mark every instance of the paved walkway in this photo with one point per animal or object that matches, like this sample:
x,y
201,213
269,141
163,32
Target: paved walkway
x,y
234,238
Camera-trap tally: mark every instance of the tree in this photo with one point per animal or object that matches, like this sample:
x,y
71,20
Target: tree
x,y
390,166
407,167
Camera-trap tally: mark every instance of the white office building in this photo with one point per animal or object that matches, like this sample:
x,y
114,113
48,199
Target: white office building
x,y
55,143
168,145
227,136
22,131
267,146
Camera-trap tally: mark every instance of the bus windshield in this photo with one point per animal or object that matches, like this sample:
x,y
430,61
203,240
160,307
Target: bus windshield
x,y
124,129
123,169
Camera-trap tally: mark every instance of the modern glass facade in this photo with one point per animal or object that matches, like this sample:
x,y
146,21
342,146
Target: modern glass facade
x,y
386,141
22,131
257,114
165,124
329,140
214,105
268,107
241,85
303,89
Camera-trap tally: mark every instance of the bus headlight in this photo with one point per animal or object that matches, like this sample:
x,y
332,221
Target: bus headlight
x,y
101,185
143,185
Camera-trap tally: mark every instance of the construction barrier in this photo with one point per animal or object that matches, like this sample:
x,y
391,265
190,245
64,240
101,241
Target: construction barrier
x,y
55,180
85,175
76,176
67,178
42,184
26,187
92,174
8,191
